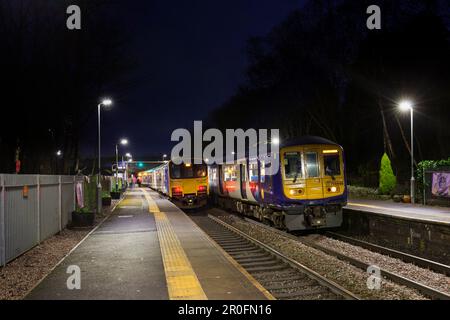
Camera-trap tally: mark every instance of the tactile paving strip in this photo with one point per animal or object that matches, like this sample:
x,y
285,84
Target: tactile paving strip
x,y
182,282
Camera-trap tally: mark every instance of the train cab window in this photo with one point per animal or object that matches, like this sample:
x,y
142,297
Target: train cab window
x,y
332,165
253,171
229,173
312,165
185,171
292,165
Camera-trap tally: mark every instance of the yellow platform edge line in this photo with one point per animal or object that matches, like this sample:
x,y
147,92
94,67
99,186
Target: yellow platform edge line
x,y
181,279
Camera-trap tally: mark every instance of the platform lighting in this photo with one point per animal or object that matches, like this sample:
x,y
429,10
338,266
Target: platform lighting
x,y
104,103
123,142
275,141
406,105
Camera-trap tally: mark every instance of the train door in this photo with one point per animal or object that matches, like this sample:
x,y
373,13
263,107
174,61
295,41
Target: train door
x,y
243,168
220,181
314,187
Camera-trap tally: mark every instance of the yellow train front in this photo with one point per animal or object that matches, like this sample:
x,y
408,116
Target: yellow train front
x,y
307,192
185,184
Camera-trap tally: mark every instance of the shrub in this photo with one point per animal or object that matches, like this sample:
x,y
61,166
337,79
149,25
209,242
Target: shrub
x,y
388,180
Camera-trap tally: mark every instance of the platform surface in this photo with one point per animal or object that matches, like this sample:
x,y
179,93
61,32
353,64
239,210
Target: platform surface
x,y
415,212
148,249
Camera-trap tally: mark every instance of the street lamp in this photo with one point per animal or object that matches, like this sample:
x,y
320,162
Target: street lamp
x,y
104,103
123,142
407,105
164,156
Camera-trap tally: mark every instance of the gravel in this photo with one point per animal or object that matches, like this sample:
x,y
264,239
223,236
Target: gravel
x,y
22,274
344,274
432,279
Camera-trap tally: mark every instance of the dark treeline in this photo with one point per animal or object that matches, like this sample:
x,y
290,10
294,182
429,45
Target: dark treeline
x,y
322,72
52,80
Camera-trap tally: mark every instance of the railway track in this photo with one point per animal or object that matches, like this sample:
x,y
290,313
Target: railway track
x,y
420,287
418,261
283,277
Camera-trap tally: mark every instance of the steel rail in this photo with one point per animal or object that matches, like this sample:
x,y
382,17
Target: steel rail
x,y
331,285
406,257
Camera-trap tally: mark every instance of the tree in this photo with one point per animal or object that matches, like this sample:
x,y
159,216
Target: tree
x,y
388,181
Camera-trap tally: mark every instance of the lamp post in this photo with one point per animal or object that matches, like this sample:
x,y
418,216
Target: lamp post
x,y
129,158
106,102
406,105
164,157
123,142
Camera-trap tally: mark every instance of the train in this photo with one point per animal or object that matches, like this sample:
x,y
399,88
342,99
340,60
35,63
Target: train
x,y
308,191
185,184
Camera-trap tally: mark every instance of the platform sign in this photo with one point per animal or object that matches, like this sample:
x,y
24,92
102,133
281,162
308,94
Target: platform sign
x,y
441,184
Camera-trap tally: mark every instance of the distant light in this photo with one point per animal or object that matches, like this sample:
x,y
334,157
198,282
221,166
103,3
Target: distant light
x,y
124,142
140,165
164,155
275,141
206,160
59,153
107,102
405,105
188,165
128,155
232,152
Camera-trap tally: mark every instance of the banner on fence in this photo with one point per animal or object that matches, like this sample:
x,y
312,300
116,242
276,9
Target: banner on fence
x,y
80,197
441,184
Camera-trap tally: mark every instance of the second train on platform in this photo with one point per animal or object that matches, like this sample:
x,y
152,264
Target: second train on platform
x,y
307,192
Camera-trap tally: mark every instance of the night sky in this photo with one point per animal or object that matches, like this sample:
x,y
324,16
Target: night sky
x,y
191,58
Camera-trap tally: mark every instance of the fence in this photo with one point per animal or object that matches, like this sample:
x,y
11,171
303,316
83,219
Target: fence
x,y
32,208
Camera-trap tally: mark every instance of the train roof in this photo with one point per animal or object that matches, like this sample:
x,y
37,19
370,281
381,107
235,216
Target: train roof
x,y
305,140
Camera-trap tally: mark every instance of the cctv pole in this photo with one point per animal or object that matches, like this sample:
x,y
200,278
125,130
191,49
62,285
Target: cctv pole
x,y
117,167
412,159
99,183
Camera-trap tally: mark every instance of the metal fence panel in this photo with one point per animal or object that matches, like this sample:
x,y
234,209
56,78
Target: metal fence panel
x,y
67,199
2,222
32,209
49,205
21,214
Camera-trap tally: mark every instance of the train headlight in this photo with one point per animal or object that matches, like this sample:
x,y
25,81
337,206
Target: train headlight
x,y
292,192
333,189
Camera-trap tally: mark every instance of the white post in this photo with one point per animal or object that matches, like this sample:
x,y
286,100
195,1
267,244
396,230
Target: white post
x,y
60,202
74,193
413,191
38,211
2,221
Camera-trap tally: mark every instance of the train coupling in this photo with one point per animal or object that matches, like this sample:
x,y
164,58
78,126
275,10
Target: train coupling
x,y
315,216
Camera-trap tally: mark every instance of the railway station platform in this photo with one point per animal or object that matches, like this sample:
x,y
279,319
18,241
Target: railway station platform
x,y
413,212
149,249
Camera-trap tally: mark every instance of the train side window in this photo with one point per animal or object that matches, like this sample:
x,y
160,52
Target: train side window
x,y
230,173
292,165
332,165
253,171
263,172
312,165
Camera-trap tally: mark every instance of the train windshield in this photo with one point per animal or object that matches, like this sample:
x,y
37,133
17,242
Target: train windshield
x,y
292,165
185,171
332,165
